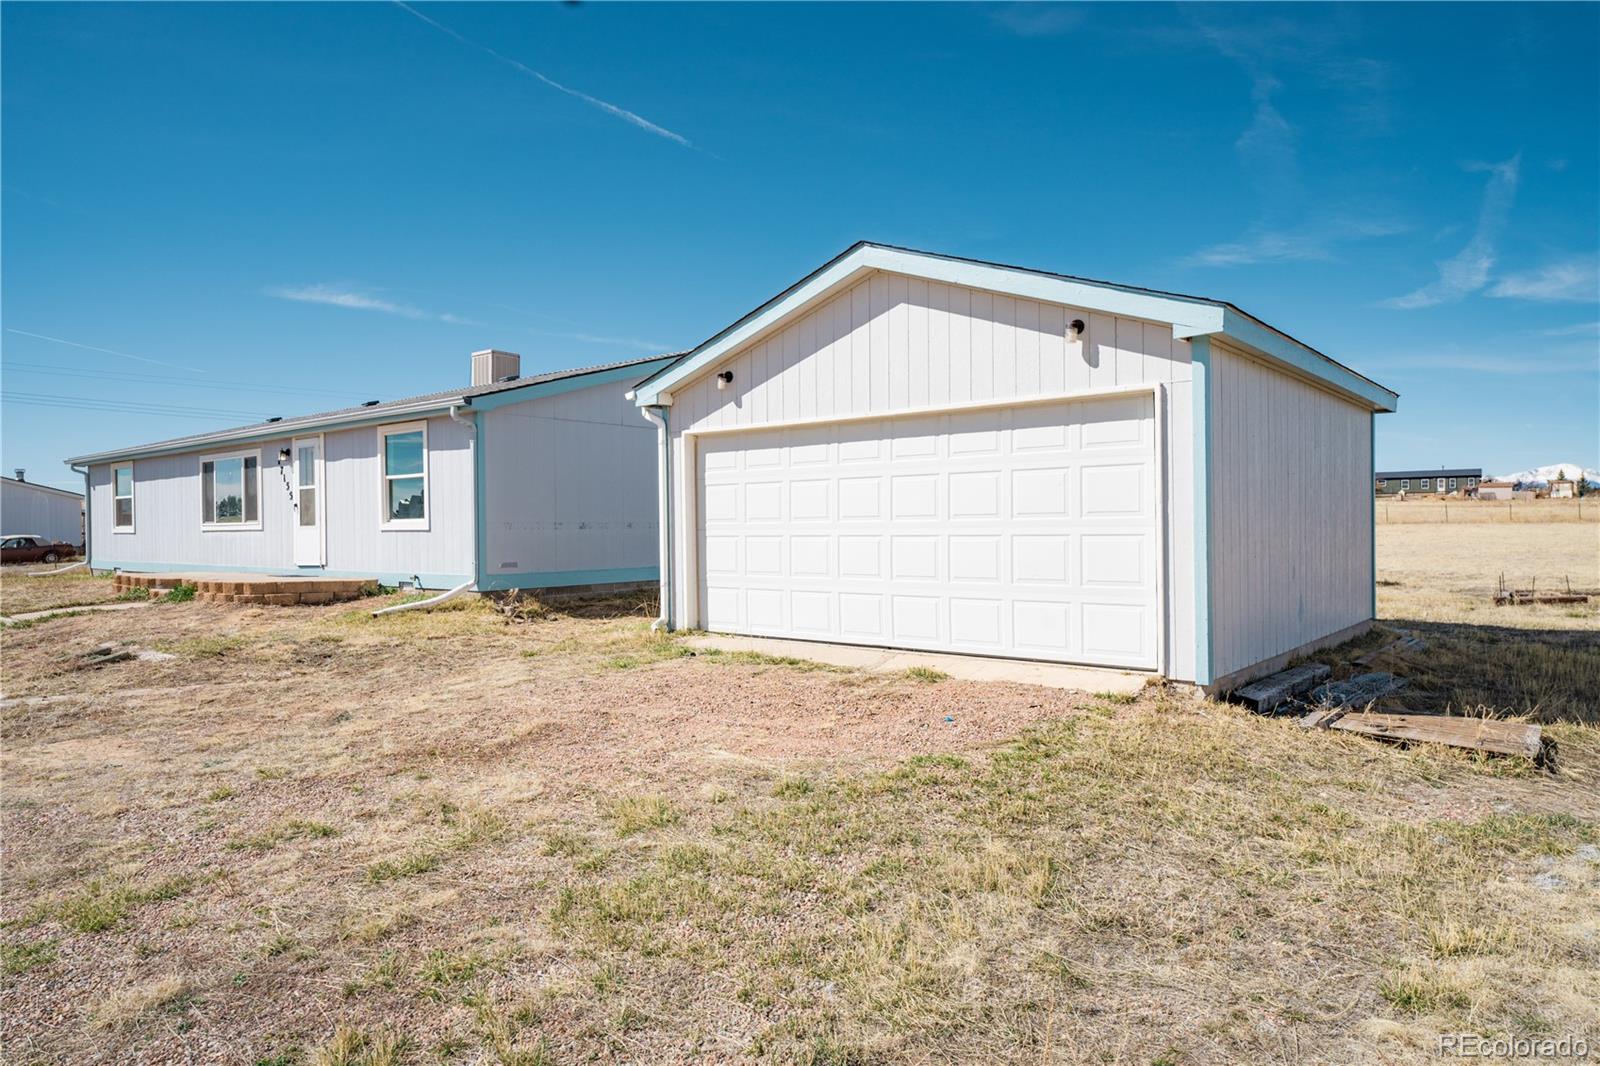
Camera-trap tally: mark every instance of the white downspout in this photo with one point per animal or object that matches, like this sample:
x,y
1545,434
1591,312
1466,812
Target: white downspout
x,y
432,601
657,417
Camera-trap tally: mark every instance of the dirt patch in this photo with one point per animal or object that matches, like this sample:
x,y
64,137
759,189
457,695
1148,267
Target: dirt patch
x,y
451,836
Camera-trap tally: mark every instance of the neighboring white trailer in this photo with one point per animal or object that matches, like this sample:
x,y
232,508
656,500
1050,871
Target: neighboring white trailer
x,y
54,514
910,450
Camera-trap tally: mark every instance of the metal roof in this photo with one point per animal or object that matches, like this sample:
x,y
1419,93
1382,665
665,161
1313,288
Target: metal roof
x,y
363,414
43,488
1389,475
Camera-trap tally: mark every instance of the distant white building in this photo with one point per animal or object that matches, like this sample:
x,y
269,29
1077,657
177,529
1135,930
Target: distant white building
x,y
1563,489
54,514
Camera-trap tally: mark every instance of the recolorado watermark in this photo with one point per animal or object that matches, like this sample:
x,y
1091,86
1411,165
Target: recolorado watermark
x,y
1473,1046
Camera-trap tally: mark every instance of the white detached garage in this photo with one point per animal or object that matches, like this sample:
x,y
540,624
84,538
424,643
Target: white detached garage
x,y
916,451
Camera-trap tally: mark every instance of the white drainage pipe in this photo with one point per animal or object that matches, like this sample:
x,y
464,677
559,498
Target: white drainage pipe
x,y
58,570
432,601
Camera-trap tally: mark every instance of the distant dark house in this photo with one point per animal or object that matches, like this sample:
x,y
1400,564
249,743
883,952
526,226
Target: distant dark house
x,y
1424,482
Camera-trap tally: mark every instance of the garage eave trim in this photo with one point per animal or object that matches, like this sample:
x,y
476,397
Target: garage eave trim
x,y
1188,317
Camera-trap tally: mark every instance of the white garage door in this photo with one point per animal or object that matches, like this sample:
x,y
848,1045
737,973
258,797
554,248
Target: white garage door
x,y
1026,532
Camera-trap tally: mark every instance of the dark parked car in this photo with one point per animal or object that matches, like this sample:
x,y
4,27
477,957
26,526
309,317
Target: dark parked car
x,y
31,549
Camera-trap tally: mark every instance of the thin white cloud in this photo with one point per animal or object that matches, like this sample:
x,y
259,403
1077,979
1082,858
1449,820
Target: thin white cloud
x,y
609,108
1468,270
1037,19
361,301
108,351
1312,242
1578,329
1291,226
593,338
1575,280
1490,363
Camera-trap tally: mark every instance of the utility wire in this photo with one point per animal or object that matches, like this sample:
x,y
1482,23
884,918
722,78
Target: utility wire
x,y
47,368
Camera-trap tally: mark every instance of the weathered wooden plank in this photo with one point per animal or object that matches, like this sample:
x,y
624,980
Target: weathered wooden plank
x,y
1269,693
1483,734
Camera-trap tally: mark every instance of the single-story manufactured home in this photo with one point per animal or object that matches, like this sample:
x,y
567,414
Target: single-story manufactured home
x,y
52,513
919,451
545,481
1439,482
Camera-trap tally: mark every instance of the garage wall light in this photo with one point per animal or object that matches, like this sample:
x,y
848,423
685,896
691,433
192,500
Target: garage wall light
x,y
724,379
1074,329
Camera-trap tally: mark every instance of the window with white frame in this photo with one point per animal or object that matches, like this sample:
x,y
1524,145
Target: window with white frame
x,y
1452,484
1427,484
1472,482
1383,483
1405,483
403,452
122,498
230,491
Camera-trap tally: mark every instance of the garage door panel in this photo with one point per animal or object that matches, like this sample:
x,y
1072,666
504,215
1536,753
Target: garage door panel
x,y
1027,532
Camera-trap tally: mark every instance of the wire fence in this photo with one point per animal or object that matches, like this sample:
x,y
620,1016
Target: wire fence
x,y
1441,512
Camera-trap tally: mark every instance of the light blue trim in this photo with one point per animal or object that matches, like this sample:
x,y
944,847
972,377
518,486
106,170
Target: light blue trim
x,y
1251,333
633,372
305,424
480,499
555,579
427,581
1200,361
1372,504
286,432
672,596
1191,316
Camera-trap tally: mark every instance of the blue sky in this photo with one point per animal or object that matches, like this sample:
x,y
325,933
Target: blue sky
x,y
234,211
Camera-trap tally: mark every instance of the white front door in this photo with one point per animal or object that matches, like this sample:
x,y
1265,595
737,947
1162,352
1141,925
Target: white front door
x,y
1027,532
308,501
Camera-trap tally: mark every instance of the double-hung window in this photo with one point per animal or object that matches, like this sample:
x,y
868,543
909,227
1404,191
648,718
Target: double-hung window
x,y
1405,484
1427,484
122,498
230,491
1452,484
403,455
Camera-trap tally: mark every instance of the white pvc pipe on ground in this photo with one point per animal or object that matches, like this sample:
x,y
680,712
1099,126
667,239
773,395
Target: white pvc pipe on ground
x,y
432,601
58,570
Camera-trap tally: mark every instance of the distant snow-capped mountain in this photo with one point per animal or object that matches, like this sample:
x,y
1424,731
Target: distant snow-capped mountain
x,y
1543,475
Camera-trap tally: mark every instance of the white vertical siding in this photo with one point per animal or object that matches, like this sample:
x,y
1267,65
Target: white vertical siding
x,y
439,554
167,531
570,488
1290,512
166,517
26,508
892,343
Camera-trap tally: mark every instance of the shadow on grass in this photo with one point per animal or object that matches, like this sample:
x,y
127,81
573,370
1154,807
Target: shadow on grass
x,y
1545,675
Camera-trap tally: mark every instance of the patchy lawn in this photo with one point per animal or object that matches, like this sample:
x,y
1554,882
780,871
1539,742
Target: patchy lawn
x,y
313,836
20,593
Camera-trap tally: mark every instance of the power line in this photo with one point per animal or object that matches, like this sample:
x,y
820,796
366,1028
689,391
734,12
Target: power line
x,y
132,406
47,368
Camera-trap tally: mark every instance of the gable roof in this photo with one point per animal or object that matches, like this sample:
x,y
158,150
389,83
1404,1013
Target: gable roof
x,y
1391,475
78,496
477,397
1190,316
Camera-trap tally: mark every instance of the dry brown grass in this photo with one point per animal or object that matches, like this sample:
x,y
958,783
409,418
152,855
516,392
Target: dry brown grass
x,y
20,593
1540,660
454,837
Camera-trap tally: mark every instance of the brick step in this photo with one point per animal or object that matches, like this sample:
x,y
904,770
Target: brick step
x,y
242,588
